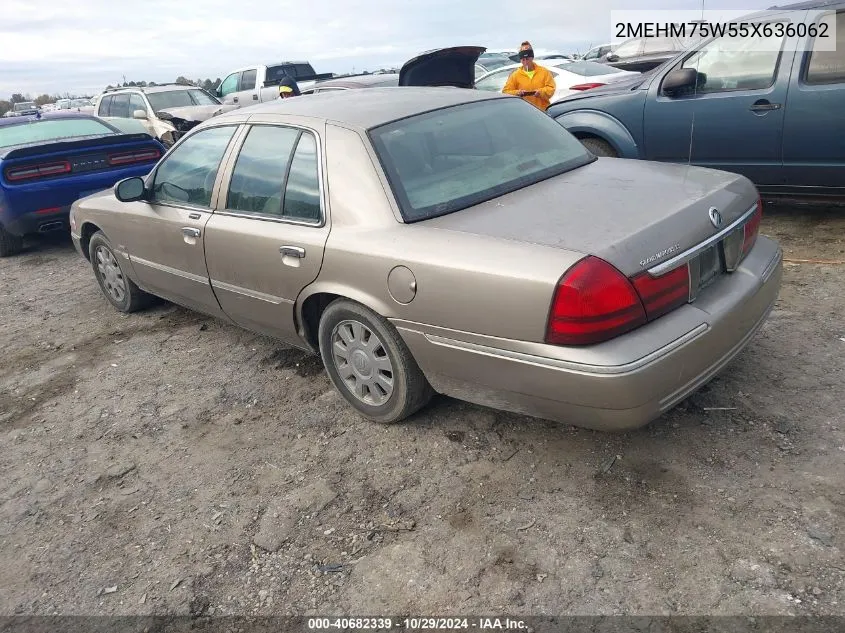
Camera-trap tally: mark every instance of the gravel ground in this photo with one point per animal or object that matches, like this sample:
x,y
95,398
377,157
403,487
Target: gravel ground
x,y
165,463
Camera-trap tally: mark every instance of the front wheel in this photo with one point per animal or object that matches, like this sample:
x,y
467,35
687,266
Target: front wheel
x,y
369,363
121,291
599,147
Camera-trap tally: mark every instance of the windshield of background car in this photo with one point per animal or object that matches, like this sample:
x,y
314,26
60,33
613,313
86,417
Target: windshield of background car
x,y
50,130
443,161
179,99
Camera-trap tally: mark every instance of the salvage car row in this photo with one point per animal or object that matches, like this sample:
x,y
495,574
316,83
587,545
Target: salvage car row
x,y
371,227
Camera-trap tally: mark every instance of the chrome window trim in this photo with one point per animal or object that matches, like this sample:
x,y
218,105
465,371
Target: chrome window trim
x,y
696,250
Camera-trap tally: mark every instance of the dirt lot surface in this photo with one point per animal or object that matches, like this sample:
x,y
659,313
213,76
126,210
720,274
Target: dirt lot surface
x,y
163,462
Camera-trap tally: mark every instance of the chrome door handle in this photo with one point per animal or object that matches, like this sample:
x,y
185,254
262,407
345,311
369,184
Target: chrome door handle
x,y
292,251
189,231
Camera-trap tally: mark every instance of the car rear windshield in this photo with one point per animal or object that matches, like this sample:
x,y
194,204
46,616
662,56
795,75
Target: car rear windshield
x,y
294,71
589,69
50,130
449,159
179,99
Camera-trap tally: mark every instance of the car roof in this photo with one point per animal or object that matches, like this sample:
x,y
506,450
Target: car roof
x,y
150,89
358,80
810,4
364,109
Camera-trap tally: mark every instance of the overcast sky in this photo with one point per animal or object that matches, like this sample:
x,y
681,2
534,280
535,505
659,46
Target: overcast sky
x,y
82,45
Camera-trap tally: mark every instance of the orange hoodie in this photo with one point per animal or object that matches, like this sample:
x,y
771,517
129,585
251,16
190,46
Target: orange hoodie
x,y
539,79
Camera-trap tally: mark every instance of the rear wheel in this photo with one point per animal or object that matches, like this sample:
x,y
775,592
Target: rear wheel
x,y
369,363
599,147
121,291
9,244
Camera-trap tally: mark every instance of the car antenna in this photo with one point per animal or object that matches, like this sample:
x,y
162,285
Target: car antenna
x,y
695,92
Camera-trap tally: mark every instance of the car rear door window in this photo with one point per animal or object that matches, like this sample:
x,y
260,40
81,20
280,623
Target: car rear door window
x,y
302,189
259,175
726,64
248,79
828,66
187,175
104,107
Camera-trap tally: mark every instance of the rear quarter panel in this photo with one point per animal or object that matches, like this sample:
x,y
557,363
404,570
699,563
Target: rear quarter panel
x,y
467,282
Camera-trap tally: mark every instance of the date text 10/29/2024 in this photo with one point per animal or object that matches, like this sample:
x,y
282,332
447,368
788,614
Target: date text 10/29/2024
x,y
417,624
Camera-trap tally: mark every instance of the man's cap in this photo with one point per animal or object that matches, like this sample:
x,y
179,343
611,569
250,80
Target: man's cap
x,y
528,52
285,89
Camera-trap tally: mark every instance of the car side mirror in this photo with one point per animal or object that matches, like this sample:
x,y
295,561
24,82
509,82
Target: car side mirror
x,y
130,189
612,57
139,114
679,79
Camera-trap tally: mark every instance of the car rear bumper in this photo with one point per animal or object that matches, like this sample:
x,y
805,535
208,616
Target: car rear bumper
x,y
28,223
625,384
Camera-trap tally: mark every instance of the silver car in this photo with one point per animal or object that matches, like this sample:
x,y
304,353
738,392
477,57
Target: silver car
x,y
426,240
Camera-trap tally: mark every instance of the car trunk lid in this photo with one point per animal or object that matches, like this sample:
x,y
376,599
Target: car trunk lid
x,y
453,66
633,214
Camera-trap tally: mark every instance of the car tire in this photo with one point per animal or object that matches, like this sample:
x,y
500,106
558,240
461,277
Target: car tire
x,y
371,366
115,285
9,244
599,147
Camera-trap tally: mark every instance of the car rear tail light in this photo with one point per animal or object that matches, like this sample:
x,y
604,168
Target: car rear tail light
x,y
587,86
43,170
134,157
664,293
48,210
752,229
593,302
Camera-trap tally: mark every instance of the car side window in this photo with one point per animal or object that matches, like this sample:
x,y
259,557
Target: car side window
x,y
494,82
248,79
302,190
658,45
105,103
120,106
259,174
230,84
631,48
136,102
187,175
726,64
828,66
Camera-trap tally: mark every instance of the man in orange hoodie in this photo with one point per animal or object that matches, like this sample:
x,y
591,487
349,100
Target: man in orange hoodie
x,y
533,83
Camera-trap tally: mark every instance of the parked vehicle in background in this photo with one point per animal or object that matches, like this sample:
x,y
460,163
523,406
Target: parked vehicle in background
x,y
258,84
353,82
491,61
643,53
597,52
770,110
570,77
24,108
611,309
46,164
165,111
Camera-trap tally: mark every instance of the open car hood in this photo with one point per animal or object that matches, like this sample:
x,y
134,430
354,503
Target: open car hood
x,y
453,66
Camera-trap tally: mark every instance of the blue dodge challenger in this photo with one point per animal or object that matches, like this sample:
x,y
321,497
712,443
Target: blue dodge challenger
x,y
46,163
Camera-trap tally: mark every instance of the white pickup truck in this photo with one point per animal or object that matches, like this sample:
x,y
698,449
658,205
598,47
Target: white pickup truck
x,y
257,84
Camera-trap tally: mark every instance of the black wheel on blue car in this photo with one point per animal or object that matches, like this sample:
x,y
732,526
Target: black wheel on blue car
x,y
599,147
117,287
9,244
369,363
